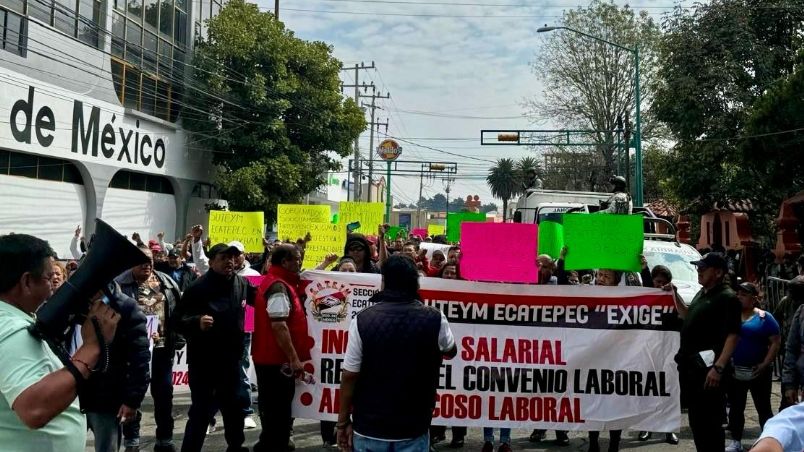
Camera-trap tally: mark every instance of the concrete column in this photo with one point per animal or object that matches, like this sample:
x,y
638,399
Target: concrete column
x,y
96,182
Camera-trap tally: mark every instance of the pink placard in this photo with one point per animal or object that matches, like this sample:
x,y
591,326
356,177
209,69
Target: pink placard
x,y
499,252
421,232
248,321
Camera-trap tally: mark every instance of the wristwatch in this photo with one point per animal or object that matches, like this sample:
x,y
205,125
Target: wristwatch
x,y
718,369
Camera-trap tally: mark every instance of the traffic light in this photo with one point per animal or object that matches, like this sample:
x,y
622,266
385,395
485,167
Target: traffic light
x,y
437,167
508,136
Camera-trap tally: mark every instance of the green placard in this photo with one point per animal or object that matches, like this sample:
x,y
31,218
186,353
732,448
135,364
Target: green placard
x,y
551,238
393,232
455,219
610,241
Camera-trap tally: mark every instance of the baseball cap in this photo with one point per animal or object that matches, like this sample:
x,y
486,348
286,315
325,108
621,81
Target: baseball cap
x,y
749,287
173,253
238,245
712,260
153,245
222,248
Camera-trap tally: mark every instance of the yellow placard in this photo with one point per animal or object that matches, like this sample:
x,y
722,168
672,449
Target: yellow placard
x,y
435,229
245,227
325,238
292,219
369,214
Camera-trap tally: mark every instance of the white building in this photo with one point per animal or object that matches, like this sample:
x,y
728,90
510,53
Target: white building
x,y
90,117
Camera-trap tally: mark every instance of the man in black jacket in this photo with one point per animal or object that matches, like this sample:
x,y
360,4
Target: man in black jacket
x,y
210,315
157,295
396,343
113,398
178,270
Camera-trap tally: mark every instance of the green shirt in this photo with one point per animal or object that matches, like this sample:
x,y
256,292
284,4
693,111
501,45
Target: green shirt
x,y
24,360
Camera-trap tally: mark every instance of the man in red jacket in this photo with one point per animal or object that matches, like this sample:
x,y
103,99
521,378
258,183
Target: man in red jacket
x,y
280,346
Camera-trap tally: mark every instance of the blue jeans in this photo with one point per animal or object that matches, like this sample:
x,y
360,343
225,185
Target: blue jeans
x,y
363,444
505,435
106,429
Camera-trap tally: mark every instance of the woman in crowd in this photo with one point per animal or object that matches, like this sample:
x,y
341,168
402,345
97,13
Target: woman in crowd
x,y
436,263
359,250
59,275
760,340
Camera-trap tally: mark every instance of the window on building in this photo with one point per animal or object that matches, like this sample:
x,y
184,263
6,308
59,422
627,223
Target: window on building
x,y
149,55
118,34
152,14
129,180
166,18
13,32
37,167
79,19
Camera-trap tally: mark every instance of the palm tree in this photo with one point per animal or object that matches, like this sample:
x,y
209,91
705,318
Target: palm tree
x,y
504,182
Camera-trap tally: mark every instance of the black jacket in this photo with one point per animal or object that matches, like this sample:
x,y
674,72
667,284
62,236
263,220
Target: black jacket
x,y
170,289
128,376
224,300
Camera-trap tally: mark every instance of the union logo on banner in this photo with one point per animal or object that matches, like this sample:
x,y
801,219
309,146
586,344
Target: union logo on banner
x,y
329,300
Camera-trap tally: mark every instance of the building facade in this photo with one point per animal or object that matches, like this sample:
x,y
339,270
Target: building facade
x,y
91,99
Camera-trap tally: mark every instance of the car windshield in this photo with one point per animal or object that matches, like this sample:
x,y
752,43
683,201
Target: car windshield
x,y
679,264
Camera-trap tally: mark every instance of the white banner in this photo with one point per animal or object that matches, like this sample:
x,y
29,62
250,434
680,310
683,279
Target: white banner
x,y
551,357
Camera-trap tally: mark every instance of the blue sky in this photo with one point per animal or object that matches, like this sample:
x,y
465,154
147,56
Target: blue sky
x,y
452,67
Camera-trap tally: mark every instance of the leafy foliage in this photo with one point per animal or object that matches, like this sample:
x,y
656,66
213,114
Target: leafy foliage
x,y
272,112
588,83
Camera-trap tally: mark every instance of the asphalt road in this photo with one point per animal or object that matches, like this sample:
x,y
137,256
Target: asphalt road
x,y
307,434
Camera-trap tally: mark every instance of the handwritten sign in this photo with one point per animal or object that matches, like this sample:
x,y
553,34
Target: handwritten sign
x,y
292,219
326,238
421,232
369,214
499,252
245,227
454,221
551,235
607,241
435,229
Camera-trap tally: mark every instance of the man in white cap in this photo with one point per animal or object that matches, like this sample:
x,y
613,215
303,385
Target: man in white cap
x,y
242,266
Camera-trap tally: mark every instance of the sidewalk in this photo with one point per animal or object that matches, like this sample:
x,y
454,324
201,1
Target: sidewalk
x,y
307,434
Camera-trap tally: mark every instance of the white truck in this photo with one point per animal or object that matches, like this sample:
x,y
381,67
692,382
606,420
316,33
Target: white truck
x,y
537,203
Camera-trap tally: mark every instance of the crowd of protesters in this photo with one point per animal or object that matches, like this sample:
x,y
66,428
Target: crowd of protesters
x,y
198,291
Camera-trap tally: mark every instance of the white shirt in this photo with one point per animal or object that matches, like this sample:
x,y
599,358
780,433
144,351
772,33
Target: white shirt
x,y
354,347
199,258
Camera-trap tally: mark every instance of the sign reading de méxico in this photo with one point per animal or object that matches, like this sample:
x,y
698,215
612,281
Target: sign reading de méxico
x,y
549,357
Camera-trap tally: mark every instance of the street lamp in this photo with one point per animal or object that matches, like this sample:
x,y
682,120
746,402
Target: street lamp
x,y
638,169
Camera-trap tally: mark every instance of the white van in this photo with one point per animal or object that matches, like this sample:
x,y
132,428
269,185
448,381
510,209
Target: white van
x,y
677,257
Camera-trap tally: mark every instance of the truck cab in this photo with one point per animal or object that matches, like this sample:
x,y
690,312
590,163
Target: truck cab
x,y
536,203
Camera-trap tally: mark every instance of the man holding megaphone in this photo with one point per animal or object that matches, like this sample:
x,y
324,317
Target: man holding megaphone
x,y
38,408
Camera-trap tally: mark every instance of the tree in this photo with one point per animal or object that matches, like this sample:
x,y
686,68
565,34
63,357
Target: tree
x,y
718,61
587,83
573,168
503,182
268,106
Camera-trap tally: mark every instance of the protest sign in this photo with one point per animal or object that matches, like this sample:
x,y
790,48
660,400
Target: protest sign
x,y
435,229
248,321
393,233
546,357
326,238
499,252
245,227
431,247
292,219
603,240
551,235
421,232
454,221
369,214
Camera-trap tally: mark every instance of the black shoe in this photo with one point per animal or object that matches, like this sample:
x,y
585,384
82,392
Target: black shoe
x,y
164,448
537,436
487,447
644,436
562,438
671,438
456,443
594,447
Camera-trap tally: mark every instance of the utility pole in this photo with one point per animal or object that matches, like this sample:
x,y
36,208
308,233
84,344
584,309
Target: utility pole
x,y
357,68
373,106
447,186
276,9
